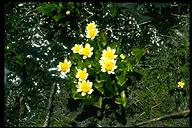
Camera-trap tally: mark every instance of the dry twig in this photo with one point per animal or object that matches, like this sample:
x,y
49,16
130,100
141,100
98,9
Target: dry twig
x,y
49,108
177,114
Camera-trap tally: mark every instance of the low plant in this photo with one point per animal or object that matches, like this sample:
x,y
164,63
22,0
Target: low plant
x,y
97,73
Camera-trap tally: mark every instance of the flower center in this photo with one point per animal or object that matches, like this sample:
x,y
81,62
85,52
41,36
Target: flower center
x,y
109,66
86,51
82,74
92,33
109,55
85,87
180,84
64,67
77,48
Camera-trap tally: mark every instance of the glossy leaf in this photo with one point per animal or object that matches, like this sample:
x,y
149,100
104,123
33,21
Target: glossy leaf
x,y
99,103
123,99
98,86
138,53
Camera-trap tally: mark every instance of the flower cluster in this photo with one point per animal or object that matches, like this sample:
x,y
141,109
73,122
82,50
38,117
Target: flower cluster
x,y
89,74
84,86
91,30
85,51
108,61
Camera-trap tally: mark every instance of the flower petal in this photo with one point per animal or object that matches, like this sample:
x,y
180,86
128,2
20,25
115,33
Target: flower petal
x,y
83,94
103,70
109,72
63,73
90,84
79,90
113,50
90,91
87,45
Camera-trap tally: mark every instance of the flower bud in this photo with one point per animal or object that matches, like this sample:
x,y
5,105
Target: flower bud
x,y
122,56
81,35
89,66
67,12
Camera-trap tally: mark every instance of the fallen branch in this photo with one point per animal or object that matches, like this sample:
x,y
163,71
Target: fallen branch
x,y
145,22
183,113
49,108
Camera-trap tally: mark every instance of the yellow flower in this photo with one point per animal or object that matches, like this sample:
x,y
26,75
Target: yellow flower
x,y
76,48
108,66
86,51
64,67
180,84
91,26
109,54
92,33
82,74
85,87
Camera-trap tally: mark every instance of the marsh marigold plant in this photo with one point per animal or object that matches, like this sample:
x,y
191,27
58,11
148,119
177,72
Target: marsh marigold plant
x,y
104,73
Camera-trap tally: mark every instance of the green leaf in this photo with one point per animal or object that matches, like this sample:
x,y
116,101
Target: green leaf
x,y
113,10
59,9
121,79
107,106
118,101
97,55
76,95
114,45
60,4
129,67
138,53
123,99
46,8
104,76
102,39
99,46
99,103
98,86
57,17
19,59
109,86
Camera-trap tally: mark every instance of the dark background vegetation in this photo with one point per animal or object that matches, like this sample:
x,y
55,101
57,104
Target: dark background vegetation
x,y
39,35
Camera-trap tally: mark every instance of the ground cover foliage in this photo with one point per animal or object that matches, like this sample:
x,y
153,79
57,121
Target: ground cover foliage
x,y
40,35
